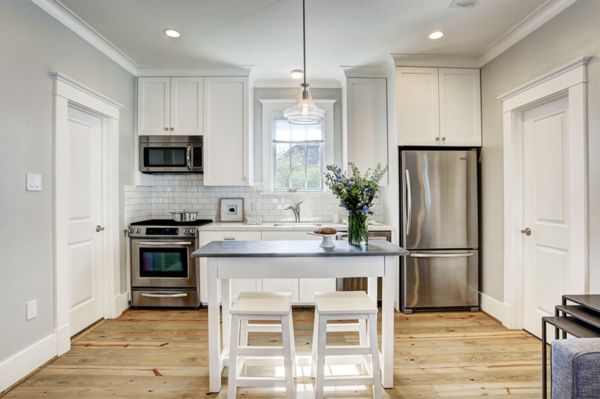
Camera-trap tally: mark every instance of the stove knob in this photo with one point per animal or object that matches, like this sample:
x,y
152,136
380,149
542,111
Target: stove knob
x,y
131,230
138,230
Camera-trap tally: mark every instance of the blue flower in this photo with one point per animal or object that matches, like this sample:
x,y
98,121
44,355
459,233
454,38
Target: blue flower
x,y
348,185
365,209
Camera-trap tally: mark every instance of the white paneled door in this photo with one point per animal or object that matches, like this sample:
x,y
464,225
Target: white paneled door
x,y
84,230
545,228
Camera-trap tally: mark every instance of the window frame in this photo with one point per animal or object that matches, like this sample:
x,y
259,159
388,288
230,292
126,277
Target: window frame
x,y
274,107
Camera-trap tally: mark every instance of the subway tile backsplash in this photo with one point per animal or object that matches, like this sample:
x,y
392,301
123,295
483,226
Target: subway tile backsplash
x,y
178,192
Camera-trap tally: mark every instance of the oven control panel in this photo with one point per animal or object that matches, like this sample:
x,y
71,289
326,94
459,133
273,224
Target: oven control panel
x,y
162,231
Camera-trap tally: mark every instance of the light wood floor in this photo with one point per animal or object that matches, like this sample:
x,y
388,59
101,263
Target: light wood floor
x,y
163,354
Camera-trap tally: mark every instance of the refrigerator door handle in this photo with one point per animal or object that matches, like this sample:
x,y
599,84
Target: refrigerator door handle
x,y
408,201
442,255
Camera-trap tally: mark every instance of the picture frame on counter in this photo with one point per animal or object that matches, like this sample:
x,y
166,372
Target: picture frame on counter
x,y
232,209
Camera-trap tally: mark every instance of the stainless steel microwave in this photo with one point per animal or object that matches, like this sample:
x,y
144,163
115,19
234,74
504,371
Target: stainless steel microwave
x,y
170,154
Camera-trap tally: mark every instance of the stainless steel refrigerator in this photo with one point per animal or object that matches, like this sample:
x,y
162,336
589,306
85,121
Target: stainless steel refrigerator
x,y
440,229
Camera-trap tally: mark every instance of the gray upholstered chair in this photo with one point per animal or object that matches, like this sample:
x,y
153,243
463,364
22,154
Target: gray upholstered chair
x,y
576,368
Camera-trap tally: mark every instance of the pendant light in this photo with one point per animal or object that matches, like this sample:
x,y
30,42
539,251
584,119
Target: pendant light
x,y
305,111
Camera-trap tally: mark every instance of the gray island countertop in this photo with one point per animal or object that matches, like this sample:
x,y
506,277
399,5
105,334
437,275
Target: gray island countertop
x,y
294,248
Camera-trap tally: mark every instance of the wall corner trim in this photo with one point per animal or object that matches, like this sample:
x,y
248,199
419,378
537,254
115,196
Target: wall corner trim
x,y
495,308
66,17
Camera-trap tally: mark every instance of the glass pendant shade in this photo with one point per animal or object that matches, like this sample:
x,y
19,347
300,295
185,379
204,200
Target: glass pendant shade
x,y
305,111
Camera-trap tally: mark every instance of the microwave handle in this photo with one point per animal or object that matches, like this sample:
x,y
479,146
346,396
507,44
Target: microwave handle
x,y
188,157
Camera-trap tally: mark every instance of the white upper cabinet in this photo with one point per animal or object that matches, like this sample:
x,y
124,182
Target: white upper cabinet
x,y
367,122
418,106
438,106
226,138
170,106
460,107
187,107
154,106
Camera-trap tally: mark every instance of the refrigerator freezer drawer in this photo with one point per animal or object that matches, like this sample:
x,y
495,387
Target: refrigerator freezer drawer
x,y
440,279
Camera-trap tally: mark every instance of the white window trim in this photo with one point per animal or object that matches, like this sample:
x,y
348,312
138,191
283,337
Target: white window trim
x,y
269,107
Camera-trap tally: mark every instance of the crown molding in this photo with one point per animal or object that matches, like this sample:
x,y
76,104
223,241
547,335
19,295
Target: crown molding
x,y
364,72
87,33
537,18
434,60
294,84
195,71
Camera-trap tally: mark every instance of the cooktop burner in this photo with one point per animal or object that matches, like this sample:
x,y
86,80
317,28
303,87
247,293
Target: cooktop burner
x,y
170,222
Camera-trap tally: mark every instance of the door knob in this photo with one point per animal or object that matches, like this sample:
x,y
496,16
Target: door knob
x,y
99,228
526,231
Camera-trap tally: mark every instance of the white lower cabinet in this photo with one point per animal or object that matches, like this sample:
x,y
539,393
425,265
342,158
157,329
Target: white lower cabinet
x,y
237,286
303,290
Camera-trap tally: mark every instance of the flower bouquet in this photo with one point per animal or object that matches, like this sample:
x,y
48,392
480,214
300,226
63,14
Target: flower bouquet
x,y
357,193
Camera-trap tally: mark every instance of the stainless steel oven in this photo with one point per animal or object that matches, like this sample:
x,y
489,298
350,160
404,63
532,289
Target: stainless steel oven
x,y
163,272
163,262
170,154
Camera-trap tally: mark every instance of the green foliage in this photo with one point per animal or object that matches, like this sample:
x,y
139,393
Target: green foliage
x,y
357,191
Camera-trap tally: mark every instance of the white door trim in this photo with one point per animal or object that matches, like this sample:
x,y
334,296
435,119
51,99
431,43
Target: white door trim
x,y
69,92
569,80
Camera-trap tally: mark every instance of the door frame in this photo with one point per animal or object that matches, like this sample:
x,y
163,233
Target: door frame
x,y
68,92
569,80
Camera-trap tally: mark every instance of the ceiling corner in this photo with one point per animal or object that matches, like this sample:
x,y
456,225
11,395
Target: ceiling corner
x,y
70,20
537,18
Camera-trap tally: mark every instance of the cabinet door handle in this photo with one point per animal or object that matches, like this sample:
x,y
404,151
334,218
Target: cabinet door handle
x,y
443,139
437,139
166,128
172,129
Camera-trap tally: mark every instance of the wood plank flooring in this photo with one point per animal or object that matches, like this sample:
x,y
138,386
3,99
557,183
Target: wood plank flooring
x,y
163,354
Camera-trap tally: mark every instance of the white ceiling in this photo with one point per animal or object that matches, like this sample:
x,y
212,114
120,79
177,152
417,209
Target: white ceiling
x,y
266,34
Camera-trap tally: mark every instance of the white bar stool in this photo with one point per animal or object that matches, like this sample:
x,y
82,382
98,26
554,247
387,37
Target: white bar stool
x,y
346,305
258,306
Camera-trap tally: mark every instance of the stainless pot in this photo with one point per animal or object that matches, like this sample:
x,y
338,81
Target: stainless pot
x,y
184,216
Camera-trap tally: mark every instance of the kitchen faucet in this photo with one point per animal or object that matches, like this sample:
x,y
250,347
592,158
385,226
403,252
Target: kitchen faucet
x,y
295,209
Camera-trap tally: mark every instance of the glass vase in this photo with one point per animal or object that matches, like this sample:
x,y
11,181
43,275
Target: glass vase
x,y
357,228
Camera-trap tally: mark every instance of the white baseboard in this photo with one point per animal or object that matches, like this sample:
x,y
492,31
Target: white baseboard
x,y
63,339
495,308
24,362
121,303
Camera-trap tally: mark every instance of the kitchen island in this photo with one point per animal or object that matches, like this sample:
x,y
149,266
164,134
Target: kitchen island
x,y
229,260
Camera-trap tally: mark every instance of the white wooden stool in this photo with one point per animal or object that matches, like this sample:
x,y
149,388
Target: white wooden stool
x,y
346,305
257,306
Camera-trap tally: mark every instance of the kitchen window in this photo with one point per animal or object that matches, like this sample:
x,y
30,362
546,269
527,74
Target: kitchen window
x,y
295,156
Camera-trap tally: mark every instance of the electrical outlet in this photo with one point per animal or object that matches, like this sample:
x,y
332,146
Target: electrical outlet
x,y
34,182
31,309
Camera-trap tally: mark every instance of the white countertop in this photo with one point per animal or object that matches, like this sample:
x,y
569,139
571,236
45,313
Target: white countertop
x,y
283,226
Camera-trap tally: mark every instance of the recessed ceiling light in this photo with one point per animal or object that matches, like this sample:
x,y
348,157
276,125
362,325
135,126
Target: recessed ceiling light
x,y
438,34
296,74
172,33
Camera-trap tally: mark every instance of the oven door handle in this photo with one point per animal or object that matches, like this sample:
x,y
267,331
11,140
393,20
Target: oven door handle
x,y
177,295
163,243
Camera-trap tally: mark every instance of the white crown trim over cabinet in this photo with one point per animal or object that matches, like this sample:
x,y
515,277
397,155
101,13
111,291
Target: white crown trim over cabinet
x,y
438,106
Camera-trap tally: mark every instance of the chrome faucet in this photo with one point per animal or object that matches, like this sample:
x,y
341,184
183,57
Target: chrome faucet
x,y
295,209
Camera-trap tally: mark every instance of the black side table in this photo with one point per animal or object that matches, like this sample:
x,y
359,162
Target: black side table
x,y
581,320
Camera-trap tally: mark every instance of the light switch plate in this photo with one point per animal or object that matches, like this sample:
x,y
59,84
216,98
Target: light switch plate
x,y
34,182
31,309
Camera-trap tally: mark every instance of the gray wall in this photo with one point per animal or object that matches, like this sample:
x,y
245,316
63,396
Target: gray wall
x,y
573,33
33,44
292,94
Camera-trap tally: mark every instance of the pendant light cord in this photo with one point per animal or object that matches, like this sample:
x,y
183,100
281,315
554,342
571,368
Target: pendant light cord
x,y
304,37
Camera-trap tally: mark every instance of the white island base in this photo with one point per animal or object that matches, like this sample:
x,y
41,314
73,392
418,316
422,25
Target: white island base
x,y
296,259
